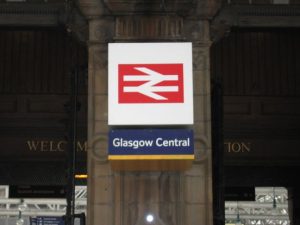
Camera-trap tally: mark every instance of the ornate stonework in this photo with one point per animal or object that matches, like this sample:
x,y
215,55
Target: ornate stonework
x,y
124,198
149,27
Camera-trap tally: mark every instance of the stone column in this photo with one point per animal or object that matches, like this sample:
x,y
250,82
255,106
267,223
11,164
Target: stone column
x,y
173,197
197,182
101,185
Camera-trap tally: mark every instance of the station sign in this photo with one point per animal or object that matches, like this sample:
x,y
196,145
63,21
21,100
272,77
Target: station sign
x,y
152,145
47,220
150,84
239,194
37,191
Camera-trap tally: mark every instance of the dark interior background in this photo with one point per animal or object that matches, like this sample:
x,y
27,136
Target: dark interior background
x,y
260,71
36,65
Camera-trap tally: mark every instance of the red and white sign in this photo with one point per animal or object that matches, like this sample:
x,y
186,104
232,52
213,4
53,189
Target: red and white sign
x,y
150,84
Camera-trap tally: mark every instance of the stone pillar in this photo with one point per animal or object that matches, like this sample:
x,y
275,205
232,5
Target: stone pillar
x,y
101,185
198,180
124,198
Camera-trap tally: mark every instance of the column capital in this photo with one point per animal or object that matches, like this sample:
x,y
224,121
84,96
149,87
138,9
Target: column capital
x,y
101,30
197,31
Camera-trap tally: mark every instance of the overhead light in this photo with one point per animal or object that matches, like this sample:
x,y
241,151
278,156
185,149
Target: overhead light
x,y
81,176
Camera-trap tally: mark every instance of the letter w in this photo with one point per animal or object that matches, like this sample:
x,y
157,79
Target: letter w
x,y
148,143
33,145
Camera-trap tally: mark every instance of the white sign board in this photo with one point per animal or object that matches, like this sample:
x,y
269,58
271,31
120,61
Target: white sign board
x,y
150,84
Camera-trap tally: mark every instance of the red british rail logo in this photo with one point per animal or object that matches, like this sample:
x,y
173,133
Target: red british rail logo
x,y
150,83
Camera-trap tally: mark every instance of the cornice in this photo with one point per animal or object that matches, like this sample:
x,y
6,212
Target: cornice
x,y
31,8
232,15
204,9
43,14
267,10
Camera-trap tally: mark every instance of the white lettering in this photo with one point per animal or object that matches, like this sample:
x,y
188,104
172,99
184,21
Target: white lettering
x,y
160,142
135,144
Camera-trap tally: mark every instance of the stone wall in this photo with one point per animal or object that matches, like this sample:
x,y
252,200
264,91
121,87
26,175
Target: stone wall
x,y
124,198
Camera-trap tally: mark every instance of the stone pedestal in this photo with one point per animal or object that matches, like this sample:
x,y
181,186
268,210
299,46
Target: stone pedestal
x,y
172,197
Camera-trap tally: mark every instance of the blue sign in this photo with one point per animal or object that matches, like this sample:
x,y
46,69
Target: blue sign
x,y
33,221
47,220
151,144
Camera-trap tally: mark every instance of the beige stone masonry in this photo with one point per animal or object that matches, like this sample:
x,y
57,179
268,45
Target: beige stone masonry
x,y
123,198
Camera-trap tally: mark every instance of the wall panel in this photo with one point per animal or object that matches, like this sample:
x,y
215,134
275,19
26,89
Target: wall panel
x,y
35,72
260,71
36,61
259,62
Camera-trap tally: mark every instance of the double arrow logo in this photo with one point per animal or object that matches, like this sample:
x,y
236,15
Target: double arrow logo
x,y
150,83
148,88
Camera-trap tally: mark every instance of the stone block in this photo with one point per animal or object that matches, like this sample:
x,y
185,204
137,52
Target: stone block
x,y
197,170
101,30
195,189
201,108
101,214
196,214
100,82
200,60
196,31
203,129
101,107
103,190
99,169
201,82
100,127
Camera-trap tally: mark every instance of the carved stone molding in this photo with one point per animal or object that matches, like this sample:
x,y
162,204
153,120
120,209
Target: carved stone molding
x,y
31,14
39,8
92,9
149,27
202,148
254,16
207,9
197,31
44,14
98,148
101,30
